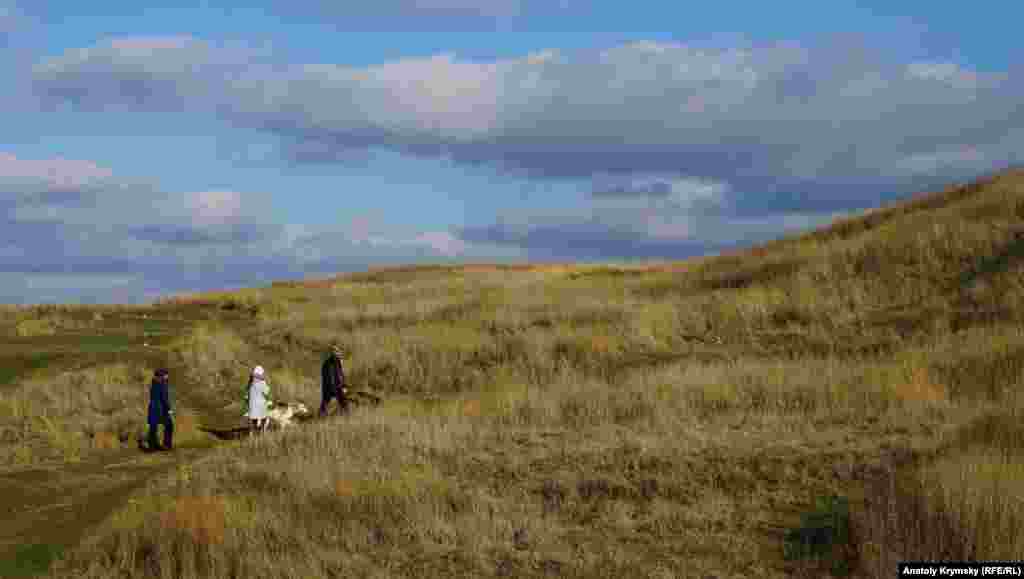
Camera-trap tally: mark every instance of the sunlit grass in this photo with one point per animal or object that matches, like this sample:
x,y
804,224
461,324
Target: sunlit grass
x,y
659,421
61,417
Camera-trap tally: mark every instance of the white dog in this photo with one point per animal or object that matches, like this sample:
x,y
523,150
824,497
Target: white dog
x,y
282,414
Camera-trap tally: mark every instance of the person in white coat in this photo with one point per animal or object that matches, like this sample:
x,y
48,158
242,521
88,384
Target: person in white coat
x,y
259,398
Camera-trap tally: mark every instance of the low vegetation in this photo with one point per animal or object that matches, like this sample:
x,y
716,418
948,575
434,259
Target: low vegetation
x,y
59,419
825,404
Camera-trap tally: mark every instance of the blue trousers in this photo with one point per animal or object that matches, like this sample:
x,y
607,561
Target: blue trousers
x,y
168,433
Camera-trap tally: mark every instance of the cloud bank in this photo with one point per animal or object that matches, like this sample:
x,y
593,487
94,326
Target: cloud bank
x,y
678,148
74,222
823,120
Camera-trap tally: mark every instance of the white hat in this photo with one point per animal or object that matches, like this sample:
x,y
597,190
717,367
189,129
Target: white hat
x,y
258,371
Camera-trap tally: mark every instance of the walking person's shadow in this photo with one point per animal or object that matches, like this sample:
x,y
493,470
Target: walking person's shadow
x,y
235,433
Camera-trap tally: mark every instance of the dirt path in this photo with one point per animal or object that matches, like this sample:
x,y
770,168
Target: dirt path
x,y
48,510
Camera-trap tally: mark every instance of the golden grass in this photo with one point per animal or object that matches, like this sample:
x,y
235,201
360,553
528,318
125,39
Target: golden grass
x,y
62,416
613,421
919,387
187,430
35,327
982,492
105,440
216,358
201,519
521,476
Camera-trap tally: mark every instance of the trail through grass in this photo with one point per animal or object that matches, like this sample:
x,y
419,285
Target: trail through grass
x,y
71,432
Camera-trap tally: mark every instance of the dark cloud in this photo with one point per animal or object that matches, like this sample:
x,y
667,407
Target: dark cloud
x,y
583,240
848,199
72,265
234,234
640,232
57,196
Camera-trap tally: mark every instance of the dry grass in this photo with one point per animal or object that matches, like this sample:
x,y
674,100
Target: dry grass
x,y
216,358
62,418
201,520
33,323
982,493
572,478
657,421
36,327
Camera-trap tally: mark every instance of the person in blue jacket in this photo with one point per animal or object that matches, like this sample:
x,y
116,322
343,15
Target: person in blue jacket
x,y
160,411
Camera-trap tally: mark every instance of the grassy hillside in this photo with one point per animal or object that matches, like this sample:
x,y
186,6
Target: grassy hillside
x,y
824,404
73,379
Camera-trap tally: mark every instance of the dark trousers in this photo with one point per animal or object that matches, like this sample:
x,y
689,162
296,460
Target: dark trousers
x,y
257,426
168,433
331,394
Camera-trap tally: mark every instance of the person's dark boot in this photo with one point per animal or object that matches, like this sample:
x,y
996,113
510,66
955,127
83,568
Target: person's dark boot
x,y
151,444
168,436
324,401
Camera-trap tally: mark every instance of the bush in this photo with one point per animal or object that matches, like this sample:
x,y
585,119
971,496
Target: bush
x,y
823,534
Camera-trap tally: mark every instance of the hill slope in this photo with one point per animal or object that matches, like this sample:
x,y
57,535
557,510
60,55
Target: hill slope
x,y
782,411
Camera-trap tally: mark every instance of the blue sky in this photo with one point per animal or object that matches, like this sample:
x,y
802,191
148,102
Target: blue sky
x,y
189,147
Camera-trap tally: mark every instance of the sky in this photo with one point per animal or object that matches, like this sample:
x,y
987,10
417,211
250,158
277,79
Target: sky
x,y
148,150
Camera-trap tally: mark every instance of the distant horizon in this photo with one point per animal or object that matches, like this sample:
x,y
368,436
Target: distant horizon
x,y
184,149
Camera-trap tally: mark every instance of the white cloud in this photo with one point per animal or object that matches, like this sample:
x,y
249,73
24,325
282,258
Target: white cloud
x,y
948,73
687,192
442,242
669,228
659,190
214,207
437,94
43,175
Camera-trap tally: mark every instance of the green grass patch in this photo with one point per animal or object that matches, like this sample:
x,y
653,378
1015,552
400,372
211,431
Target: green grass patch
x,y
30,560
12,369
103,343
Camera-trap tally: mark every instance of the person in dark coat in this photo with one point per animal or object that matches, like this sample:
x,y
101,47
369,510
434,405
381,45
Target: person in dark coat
x,y
333,382
160,411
